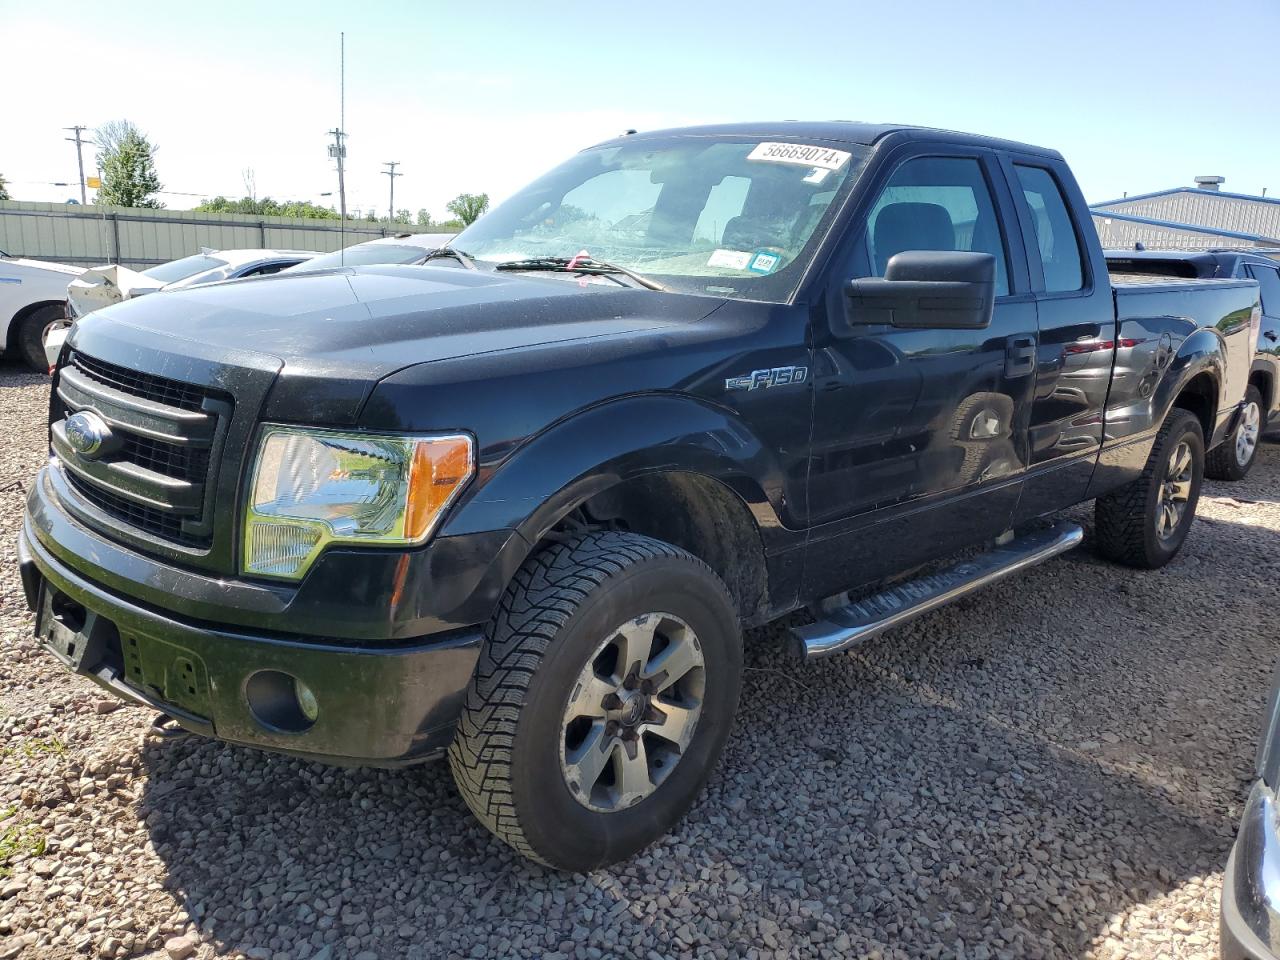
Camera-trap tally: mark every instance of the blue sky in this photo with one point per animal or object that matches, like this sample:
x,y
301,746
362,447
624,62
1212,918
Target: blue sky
x,y
1138,95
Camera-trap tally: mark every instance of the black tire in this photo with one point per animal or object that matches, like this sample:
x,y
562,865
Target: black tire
x,y
30,336
1125,520
506,756
1223,461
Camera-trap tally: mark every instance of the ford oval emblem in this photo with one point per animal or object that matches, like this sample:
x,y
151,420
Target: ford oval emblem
x,y
86,432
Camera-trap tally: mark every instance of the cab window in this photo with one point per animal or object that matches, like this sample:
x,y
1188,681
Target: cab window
x,y
936,203
1055,235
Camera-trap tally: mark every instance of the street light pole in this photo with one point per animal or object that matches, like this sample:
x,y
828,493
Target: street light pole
x,y
79,157
391,174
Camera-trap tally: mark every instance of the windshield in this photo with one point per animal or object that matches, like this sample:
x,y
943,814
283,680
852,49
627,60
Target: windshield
x,y
181,269
364,253
738,218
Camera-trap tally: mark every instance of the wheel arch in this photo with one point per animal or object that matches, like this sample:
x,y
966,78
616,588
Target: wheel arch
x,y
673,468
1198,395
1263,376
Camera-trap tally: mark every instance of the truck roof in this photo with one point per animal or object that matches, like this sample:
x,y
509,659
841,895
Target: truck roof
x,y
838,131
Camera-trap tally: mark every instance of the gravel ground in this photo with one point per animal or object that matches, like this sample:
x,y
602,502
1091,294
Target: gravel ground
x,y
1052,768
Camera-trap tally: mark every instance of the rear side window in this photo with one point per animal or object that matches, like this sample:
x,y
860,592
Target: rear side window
x,y
937,203
1269,283
1055,236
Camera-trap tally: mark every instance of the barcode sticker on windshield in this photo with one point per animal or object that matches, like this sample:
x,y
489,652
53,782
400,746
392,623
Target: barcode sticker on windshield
x,y
802,156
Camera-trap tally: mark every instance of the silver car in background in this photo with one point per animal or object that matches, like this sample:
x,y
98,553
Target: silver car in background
x,y
404,248
1250,926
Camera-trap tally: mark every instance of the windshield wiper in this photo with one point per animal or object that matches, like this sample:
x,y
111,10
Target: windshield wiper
x,y
584,265
441,253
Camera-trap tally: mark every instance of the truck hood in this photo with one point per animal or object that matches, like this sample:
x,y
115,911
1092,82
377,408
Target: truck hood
x,y
334,334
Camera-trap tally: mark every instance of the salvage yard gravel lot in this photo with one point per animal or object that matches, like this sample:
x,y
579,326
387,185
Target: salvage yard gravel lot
x,y
1051,768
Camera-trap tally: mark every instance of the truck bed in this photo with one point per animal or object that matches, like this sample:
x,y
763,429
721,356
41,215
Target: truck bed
x,y
1155,316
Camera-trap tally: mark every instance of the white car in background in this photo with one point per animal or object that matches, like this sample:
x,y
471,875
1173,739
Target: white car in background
x,y
104,285
33,296
99,287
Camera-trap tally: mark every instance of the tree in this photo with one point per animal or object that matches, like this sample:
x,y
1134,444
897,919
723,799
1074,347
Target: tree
x,y
424,218
468,207
266,207
4,189
127,159
402,216
371,216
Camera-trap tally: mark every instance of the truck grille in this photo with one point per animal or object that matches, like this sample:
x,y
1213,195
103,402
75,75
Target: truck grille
x,y
153,521
154,473
162,390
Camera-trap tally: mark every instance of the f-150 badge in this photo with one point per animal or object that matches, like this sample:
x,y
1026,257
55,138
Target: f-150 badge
x,y
775,377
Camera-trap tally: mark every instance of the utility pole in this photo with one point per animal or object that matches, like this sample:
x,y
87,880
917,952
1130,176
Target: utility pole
x,y
79,157
338,151
391,174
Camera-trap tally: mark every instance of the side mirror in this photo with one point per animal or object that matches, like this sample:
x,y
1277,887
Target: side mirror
x,y
927,289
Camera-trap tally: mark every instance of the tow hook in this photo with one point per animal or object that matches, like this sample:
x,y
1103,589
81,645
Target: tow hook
x,y
164,727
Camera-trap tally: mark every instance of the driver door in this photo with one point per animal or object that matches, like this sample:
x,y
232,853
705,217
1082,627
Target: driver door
x,y
920,435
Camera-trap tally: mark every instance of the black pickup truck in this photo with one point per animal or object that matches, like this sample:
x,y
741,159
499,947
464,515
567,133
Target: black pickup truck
x,y
1261,415
518,503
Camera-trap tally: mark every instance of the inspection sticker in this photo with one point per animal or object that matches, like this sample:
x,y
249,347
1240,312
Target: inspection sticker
x,y
763,262
733,259
801,155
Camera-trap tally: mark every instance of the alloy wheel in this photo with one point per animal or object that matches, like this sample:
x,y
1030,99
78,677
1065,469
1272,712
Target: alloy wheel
x,y
632,712
1175,491
1247,433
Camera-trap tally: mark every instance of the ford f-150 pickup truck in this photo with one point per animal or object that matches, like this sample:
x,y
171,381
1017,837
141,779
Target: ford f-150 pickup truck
x,y
517,503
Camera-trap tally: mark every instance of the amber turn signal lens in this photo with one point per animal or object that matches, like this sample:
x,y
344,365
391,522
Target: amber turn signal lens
x,y
441,466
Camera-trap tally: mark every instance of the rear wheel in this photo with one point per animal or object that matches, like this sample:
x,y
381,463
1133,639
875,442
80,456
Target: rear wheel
x,y
1145,522
1233,458
601,701
30,338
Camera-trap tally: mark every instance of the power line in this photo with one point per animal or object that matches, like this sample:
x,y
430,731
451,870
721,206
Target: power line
x,y
391,175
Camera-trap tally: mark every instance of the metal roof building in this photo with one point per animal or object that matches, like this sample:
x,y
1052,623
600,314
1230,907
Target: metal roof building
x,y
1189,218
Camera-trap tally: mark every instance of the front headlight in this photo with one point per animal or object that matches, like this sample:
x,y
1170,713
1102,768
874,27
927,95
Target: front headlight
x,y
312,488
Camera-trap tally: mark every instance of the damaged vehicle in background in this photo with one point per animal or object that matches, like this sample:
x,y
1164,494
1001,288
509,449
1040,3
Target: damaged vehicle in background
x,y
100,287
518,504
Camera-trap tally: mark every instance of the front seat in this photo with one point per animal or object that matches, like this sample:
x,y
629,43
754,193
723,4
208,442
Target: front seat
x,y
910,226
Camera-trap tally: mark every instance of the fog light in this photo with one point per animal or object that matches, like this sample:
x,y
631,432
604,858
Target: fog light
x,y
306,700
281,702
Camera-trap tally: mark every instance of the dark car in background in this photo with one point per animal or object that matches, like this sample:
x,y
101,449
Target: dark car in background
x,y
1261,414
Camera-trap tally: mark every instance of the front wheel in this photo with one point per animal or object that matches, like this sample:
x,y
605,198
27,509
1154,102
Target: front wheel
x,y
1144,523
601,701
1231,459
32,332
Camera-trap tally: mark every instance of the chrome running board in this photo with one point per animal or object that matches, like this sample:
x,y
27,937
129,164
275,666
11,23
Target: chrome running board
x,y
847,626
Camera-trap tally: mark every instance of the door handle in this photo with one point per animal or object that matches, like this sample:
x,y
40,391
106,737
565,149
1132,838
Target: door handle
x,y
1020,356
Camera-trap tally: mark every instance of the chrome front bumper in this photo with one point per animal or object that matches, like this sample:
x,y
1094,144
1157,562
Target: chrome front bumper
x,y
1250,927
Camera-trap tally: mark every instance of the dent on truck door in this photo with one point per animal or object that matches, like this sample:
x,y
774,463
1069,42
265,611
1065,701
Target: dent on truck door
x,y
919,435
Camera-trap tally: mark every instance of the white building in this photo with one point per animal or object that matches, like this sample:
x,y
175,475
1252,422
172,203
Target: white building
x,y
1189,218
